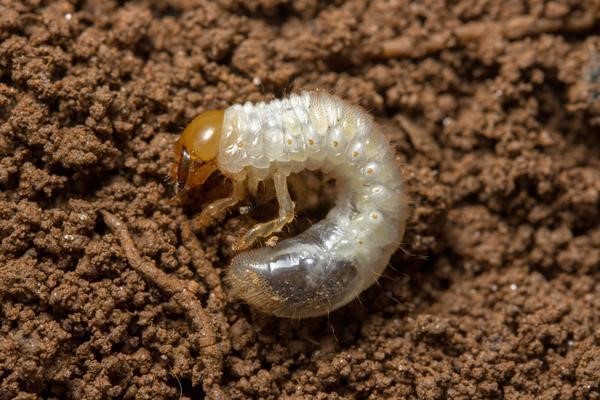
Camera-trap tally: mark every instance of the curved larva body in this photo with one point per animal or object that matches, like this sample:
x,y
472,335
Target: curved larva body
x,y
328,265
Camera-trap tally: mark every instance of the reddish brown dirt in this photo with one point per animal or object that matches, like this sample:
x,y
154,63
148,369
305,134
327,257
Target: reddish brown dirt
x,y
493,106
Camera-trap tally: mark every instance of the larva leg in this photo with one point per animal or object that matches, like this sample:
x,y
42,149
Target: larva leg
x,y
286,215
217,209
253,185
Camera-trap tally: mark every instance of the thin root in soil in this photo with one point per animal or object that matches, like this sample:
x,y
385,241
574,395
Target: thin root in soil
x,y
184,293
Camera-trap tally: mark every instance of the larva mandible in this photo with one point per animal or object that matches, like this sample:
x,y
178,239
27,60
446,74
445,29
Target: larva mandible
x,y
330,263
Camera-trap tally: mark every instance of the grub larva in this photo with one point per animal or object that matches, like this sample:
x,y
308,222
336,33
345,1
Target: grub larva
x,y
330,263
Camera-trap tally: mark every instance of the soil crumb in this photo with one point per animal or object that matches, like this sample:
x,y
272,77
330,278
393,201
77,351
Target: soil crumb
x,y
493,107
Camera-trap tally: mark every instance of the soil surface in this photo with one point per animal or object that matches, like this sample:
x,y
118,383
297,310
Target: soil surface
x,y
493,107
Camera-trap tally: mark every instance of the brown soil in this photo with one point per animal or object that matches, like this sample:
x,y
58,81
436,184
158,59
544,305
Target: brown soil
x,y
493,106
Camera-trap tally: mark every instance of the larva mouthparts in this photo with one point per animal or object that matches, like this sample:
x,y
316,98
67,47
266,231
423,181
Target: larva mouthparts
x,y
329,264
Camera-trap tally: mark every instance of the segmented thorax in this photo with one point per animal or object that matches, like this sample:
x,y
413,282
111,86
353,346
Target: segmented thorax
x,y
309,130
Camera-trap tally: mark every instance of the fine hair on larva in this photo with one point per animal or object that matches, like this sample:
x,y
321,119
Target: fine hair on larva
x,y
333,261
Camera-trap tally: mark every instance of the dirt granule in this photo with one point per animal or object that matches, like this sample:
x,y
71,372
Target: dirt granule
x,y
493,107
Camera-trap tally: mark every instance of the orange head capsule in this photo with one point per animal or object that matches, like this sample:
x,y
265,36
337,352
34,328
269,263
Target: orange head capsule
x,y
197,149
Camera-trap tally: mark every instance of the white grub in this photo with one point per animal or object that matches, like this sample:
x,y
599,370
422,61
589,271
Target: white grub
x,y
329,264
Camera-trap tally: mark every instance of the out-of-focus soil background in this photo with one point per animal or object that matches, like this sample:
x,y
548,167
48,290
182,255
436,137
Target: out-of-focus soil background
x,y
493,107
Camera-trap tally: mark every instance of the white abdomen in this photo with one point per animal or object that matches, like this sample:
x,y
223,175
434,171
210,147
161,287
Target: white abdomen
x,y
315,130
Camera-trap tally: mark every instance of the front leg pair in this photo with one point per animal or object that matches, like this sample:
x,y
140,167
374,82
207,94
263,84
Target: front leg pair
x,y
216,210
286,215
